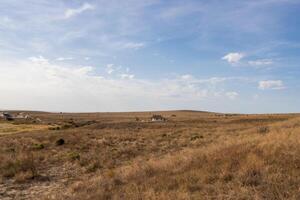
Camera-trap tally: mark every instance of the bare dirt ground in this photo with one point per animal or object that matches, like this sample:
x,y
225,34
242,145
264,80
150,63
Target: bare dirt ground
x,y
193,155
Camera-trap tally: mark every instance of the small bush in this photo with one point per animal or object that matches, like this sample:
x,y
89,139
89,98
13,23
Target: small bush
x,y
74,156
251,177
66,126
38,146
263,130
54,128
60,142
196,137
164,135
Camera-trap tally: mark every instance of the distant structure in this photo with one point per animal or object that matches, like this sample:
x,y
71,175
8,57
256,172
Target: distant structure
x,y
7,116
158,118
22,115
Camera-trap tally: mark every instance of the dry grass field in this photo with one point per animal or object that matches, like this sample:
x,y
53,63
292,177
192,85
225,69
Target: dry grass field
x,y
193,155
8,128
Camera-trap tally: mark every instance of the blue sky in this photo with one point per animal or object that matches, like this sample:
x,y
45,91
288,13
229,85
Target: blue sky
x,y
92,55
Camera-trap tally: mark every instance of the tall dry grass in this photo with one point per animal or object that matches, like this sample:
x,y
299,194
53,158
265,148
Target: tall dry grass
x,y
191,156
250,166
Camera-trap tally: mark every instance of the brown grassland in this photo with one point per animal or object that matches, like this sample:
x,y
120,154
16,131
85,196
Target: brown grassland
x,y
193,155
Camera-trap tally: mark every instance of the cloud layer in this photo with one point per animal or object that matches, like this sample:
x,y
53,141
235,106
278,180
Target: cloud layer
x,y
37,83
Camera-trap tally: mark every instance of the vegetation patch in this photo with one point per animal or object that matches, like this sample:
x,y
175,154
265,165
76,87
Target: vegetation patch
x,y
74,156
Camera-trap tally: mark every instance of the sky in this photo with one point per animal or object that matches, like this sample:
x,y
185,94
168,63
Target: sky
x,y
140,55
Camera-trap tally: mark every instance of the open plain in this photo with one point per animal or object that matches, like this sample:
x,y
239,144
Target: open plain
x,y
191,155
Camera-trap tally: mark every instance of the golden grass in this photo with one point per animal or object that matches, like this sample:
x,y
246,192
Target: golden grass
x,y
192,156
252,167
9,128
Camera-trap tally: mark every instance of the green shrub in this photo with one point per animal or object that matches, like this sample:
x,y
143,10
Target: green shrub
x,y
38,146
74,156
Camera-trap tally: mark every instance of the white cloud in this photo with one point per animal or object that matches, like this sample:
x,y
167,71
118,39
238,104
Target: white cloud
x,y
186,76
127,76
271,84
41,85
73,12
131,45
233,58
232,95
260,62
39,59
110,68
237,58
64,58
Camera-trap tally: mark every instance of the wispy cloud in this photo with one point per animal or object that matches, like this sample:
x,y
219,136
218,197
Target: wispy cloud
x,y
127,76
181,10
110,68
64,58
271,84
129,45
261,62
72,12
38,59
232,95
